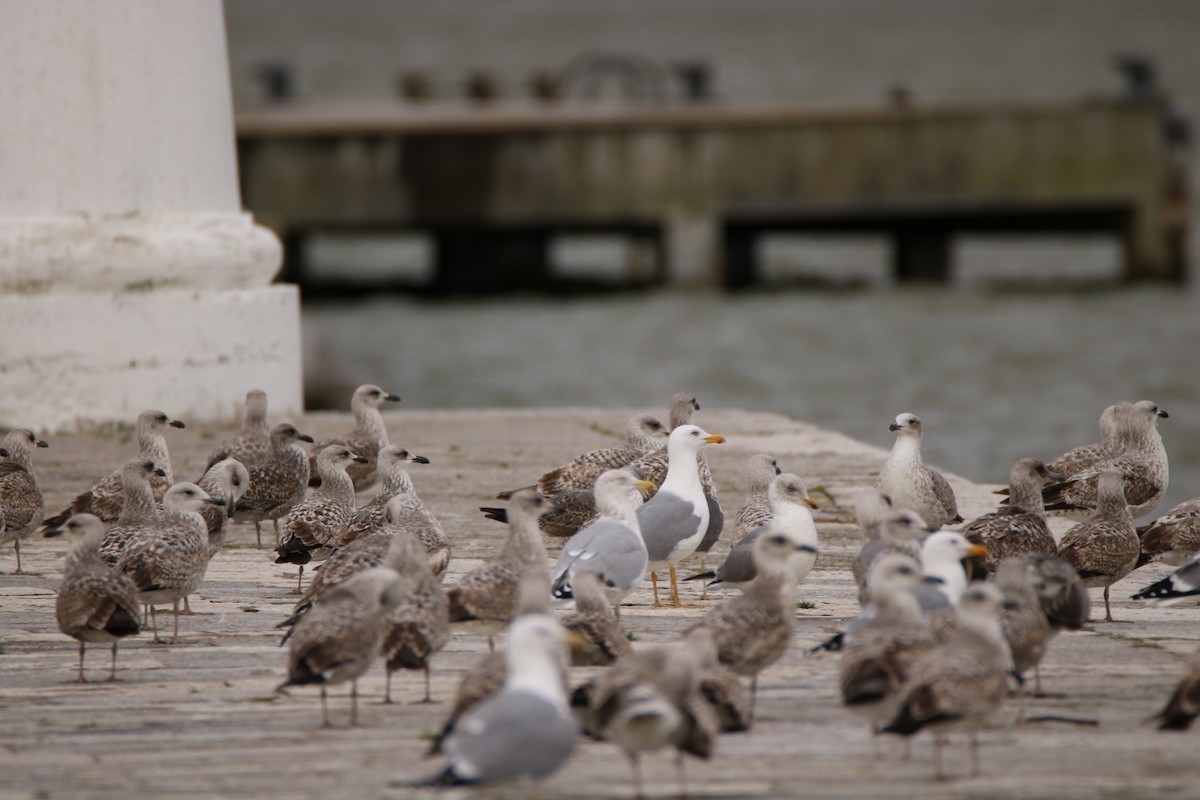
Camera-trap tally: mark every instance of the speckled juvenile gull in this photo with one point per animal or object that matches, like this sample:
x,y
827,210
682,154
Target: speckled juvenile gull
x,y
106,497
571,485
1141,458
960,684
228,480
367,439
898,531
1020,527
753,629
167,560
21,504
1184,704
1105,548
419,626
337,641
1183,582
252,443
95,602
1044,596
596,638
912,485
1173,538
651,700
395,481
887,639
312,526
278,481
526,731
755,512
675,519
611,546
791,504
138,508
485,599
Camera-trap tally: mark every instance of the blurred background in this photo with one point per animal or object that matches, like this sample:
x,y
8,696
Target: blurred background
x,y
1027,337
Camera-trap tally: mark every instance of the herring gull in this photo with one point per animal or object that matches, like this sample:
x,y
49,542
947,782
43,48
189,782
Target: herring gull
x,y
278,481
1020,527
395,481
252,443
95,602
21,504
1104,549
912,485
367,439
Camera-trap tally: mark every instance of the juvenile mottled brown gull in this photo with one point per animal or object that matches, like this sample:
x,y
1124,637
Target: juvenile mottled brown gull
x,y
1141,458
675,519
755,512
228,480
337,641
485,599
278,481
367,439
395,481
595,636
612,546
791,504
138,509
21,504
1080,458
167,560
106,497
1105,548
1173,538
419,626
651,700
899,531
753,629
526,731
252,443
312,526
95,602
960,684
912,485
571,485
1020,527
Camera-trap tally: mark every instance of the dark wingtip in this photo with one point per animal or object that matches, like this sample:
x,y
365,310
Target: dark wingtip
x,y
701,576
447,777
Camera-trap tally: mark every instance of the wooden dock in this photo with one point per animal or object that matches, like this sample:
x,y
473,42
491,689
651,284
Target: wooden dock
x,y
490,185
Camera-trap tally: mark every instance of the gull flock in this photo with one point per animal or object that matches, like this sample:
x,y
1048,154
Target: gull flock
x,y
955,614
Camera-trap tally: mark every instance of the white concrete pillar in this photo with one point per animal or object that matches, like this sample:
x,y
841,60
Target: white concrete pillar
x,y
130,277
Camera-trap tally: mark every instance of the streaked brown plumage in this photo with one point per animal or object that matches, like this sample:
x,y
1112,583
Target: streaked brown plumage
x,y
419,625
1021,527
252,443
278,481
1080,458
167,559
487,595
1105,548
1141,458
228,480
367,439
342,635
594,634
1173,538
372,517
21,504
95,602
570,486
311,528
106,497
138,508
960,684
755,512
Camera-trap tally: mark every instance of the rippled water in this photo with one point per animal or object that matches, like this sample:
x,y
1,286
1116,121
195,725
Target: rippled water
x,y
995,376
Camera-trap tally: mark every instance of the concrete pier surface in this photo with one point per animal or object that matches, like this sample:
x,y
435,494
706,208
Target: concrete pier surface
x,y
201,719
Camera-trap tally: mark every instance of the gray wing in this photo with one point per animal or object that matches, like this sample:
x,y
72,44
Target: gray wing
x,y
612,549
666,519
930,598
513,734
739,564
